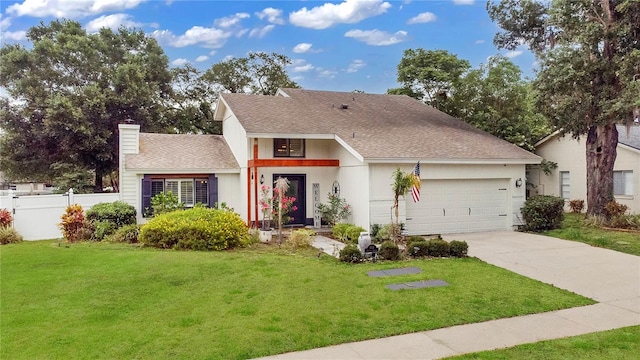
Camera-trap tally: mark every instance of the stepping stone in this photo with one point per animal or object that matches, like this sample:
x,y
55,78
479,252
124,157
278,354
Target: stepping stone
x,y
418,284
392,272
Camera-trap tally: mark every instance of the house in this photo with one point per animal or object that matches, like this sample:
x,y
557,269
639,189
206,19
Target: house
x,y
569,180
345,143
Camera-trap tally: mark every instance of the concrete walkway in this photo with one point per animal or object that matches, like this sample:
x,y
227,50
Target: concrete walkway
x,y
609,277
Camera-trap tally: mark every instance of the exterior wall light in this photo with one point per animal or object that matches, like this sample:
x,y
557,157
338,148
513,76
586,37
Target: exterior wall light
x,y
519,182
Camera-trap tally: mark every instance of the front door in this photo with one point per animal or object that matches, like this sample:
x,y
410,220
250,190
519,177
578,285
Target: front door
x,y
297,190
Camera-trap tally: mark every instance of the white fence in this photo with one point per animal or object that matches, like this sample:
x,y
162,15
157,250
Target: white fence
x,y
36,217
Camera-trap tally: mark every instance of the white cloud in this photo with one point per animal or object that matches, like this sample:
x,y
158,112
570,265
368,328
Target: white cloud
x,y
273,16
212,52
202,58
424,17
347,12
4,23
179,62
302,48
14,35
356,65
512,54
69,8
113,22
261,32
197,35
376,37
479,41
302,68
329,74
463,2
230,21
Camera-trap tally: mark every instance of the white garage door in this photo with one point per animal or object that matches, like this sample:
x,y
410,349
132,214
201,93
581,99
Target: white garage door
x,y
452,206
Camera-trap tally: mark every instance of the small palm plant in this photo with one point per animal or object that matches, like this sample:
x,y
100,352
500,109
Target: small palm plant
x,y
402,184
281,185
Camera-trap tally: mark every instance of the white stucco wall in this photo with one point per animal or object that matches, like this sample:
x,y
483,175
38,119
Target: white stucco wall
x,y
570,156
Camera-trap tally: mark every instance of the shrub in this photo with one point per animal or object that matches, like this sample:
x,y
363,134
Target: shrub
x,y
195,229
614,209
543,212
417,247
353,233
74,226
125,234
388,232
350,254
458,248
300,239
437,248
389,251
375,228
576,206
102,229
336,210
9,235
339,231
118,213
165,202
5,218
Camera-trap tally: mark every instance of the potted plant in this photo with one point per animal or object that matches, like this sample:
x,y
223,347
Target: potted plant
x,y
266,207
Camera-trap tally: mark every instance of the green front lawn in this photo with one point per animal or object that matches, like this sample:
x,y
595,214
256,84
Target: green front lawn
x,y
615,344
574,228
98,300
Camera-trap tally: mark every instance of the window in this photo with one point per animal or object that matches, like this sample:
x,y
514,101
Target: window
x,y
182,188
565,192
288,147
202,191
623,183
157,187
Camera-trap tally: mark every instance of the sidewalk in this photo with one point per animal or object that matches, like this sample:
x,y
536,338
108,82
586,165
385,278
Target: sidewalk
x,y
610,277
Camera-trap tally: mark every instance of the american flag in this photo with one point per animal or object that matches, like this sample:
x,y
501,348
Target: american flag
x,y
415,190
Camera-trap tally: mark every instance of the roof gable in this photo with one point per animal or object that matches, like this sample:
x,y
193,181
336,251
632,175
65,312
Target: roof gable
x,y
375,126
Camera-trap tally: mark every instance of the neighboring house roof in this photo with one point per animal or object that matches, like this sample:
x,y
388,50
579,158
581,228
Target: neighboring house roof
x,y
375,126
632,138
183,152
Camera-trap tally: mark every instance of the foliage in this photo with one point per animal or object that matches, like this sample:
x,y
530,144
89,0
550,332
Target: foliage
x,y
9,235
70,90
266,206
543,212
548,166
437,248
300,239
102,229
576,205
458,248
389,251
417,247
347,232
389,232
125,234
74,225
118,213
402,183
430,76
5,218
587,53
615,209
165,202
335,211
195,229
350,254
375,228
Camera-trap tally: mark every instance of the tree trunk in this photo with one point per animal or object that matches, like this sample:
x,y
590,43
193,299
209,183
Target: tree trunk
x,y
601,151
98,188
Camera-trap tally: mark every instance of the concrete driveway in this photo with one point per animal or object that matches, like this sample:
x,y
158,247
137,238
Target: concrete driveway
x,y
609,277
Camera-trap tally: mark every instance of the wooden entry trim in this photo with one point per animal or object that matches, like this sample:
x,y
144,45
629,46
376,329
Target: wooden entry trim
x,y
293,162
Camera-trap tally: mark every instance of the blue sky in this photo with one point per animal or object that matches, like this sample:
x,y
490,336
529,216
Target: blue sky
x,y
335,45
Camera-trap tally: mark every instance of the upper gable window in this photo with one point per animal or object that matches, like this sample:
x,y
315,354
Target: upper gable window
x,y
288,147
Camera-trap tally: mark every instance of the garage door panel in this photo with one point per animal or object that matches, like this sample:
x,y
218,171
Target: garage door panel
x,y
449,206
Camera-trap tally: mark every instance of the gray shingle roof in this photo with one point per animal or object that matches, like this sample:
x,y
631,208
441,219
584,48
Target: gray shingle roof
x,y
376,126
632,138
183,152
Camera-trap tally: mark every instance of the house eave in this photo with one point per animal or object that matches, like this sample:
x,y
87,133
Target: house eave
x,y
264,135
183,171
531,161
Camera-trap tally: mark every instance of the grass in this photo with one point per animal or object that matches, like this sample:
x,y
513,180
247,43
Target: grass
x,y
574,228
98,300
613,344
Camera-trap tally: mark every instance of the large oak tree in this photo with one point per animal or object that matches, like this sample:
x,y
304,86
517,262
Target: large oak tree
x,y
589,72
69,91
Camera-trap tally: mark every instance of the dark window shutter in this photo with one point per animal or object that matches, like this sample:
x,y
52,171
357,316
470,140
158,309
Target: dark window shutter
x,y
146,196
213,190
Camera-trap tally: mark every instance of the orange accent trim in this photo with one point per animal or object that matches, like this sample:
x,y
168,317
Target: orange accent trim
x,y
292,162
248,197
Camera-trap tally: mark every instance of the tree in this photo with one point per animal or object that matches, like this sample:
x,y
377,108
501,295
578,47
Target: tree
x,y
70,90
589,76
430,76
494,98
402,183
